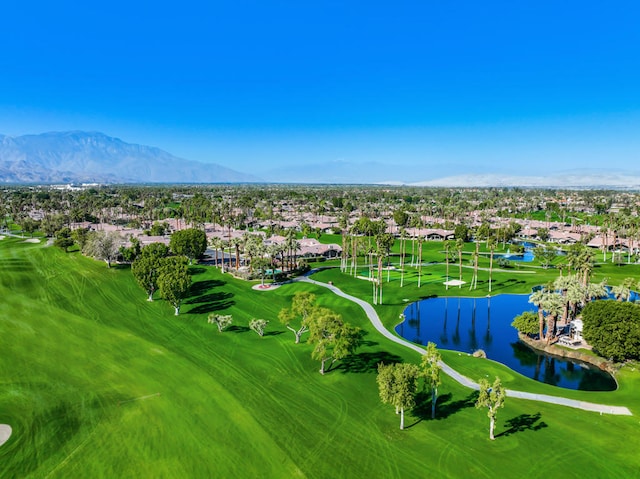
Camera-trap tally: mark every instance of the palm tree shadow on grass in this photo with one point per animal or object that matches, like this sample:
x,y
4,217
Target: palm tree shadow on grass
x,y
366,362
523,422
209,301
445,407
196,270
201,287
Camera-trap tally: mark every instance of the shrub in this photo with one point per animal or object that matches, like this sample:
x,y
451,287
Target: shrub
x,y
612,328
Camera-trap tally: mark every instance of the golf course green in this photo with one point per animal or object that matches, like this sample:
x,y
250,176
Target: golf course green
x,y
97,382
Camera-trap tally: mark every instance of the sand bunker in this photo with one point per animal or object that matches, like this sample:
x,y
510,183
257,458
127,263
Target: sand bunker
x,y
32,240
5,433
1,237
454,282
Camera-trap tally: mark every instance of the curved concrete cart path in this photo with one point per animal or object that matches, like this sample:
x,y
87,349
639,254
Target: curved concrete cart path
x,y
5,433
465,381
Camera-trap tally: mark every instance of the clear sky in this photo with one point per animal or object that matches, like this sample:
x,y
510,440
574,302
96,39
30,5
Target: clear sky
x,y
437,87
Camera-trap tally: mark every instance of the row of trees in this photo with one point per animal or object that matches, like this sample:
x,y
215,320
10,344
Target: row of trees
x,y
155,270
332,338
399,385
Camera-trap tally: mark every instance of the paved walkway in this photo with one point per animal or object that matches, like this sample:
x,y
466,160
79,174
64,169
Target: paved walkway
x,y
465,381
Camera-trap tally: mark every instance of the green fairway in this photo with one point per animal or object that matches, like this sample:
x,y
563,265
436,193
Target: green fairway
x,y
97,382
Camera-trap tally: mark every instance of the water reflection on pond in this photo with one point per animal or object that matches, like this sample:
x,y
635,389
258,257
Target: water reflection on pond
x,y
468,324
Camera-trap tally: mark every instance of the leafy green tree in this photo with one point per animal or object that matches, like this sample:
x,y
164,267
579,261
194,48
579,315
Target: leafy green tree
x,y
612,328
158,229
303,305
145,270
258,326
146,267
174,281
401,218
190,242
461,232
63,239
157,250
130,253
333,339
398,386
526,323
51,224
491,397
431,373
221,320
28,225
80,236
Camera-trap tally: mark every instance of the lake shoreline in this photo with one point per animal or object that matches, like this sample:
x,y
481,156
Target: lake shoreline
x,y
554,350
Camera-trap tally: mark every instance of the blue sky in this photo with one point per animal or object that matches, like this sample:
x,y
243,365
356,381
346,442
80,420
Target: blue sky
x,y
435,87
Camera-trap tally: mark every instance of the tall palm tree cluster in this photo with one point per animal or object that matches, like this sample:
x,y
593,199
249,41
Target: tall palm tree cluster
x,y
561,301
257,254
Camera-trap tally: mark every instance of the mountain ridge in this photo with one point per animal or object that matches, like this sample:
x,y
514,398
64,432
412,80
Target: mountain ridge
x,y
80,156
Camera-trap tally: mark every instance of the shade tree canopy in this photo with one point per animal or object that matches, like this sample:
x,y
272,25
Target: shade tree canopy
x,y
526,323
398,386
174,281
431,369
296,318
492,397
333,339
147,265
190,242
612,328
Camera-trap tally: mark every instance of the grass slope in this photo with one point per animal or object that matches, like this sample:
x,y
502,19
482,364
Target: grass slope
x,y
98,382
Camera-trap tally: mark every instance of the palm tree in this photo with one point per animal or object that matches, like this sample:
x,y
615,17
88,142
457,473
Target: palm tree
x,y
291,244
447,247
237,243
403,237
420,241
491,244
554,305
622,292
539,298
343,222
474,279
384,242
596,290
575,296
216,243
459,248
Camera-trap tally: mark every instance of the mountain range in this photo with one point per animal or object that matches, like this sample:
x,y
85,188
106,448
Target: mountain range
x,y
84,157
88,157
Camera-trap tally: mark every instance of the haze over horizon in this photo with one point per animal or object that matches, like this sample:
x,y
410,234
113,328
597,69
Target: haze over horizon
x,y
411,91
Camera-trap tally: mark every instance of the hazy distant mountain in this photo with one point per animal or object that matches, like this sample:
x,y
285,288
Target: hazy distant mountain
x,y
78,156
585,178
331,172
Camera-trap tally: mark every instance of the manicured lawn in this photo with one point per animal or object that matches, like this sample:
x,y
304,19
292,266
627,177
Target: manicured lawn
x,y
98,382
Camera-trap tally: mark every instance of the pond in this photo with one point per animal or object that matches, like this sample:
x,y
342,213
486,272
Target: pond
x,y
469,324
